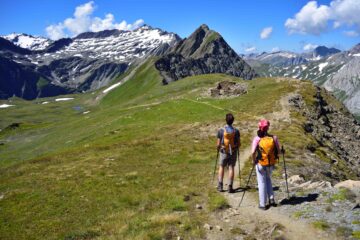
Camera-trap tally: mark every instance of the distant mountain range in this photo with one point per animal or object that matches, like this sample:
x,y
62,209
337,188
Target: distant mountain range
x,y
32,67
338,71
286,58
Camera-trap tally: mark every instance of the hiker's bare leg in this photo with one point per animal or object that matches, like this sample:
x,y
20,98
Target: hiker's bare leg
x,y
231,175
221,173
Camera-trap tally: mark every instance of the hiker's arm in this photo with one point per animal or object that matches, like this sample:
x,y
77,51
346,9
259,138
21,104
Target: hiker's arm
x,y
255,142
238,139
218,144
253,155
277,144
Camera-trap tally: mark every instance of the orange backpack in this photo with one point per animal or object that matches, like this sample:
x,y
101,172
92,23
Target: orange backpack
x,y
268,151
229,141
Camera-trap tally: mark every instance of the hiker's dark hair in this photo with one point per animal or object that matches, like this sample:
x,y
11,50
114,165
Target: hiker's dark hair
x,y
229,119
261,134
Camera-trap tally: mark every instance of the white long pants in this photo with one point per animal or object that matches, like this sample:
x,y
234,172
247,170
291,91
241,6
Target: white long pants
x,y
263,175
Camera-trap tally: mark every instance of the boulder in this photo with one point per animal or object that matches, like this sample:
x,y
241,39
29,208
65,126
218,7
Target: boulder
x,y
208,226
352,185
228,89
312,185
296,180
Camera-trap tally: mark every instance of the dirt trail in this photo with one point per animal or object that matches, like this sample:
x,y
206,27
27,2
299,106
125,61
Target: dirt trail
x,y
248,221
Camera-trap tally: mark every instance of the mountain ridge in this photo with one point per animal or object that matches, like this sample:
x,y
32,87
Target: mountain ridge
x,y
204,51
337,72
86,62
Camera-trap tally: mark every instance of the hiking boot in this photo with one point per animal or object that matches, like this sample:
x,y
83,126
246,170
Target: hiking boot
x,y
262,208
231,190
272,202
220,187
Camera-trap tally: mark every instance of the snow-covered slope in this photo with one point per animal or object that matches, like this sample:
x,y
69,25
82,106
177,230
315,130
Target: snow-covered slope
x,y
280,58
113,45
88,61
337,72
33,43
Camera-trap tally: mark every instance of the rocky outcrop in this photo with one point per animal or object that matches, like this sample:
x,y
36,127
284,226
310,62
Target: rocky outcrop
x,y
228,89
336,132
205,51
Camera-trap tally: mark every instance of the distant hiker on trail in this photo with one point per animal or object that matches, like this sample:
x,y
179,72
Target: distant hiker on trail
x,y
265,149
228,143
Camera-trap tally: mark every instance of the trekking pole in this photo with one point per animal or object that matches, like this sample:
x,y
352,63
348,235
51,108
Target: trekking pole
x,y
217,157
287,187
247,184
238,155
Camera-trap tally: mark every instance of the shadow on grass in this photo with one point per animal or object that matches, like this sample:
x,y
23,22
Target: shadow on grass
x,y
299,200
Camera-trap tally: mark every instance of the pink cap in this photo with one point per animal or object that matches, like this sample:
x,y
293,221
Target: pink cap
x,y
264,125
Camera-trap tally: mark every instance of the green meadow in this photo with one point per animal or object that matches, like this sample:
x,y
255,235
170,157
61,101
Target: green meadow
x,y
134,166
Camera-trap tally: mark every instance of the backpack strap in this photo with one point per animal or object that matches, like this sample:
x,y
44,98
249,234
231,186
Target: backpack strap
x,y
222,139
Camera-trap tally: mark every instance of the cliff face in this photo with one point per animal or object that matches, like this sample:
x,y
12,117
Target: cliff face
x,y
205,51
337,136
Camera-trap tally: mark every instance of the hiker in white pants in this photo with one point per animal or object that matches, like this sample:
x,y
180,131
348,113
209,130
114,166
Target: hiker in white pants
x,y
263,175
265,149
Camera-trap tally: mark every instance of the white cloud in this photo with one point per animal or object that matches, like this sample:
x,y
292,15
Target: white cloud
x,y
346,12
250,49
266,32
275,49
83,21
314,19
84,10
56,31
309,47
108,22
351,33
311,19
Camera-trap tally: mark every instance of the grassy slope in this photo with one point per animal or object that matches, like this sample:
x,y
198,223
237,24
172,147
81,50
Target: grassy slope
x,y
122,170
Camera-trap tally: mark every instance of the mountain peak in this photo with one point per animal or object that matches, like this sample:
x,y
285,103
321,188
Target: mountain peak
x,y
204,51
28,41
144,27
199,43
355,49
204,27
323,51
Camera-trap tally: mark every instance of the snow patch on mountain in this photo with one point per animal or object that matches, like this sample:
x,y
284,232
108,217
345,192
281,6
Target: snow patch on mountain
x,y
112,87
6,106
63,99
322,66
33,43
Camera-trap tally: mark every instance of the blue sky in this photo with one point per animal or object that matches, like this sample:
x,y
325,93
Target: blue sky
x,y
334,23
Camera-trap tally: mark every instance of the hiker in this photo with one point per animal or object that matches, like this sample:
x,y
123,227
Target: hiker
x,y
228,143
265,149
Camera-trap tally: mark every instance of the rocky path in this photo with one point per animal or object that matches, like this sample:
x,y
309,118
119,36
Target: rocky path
x,y
248,221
